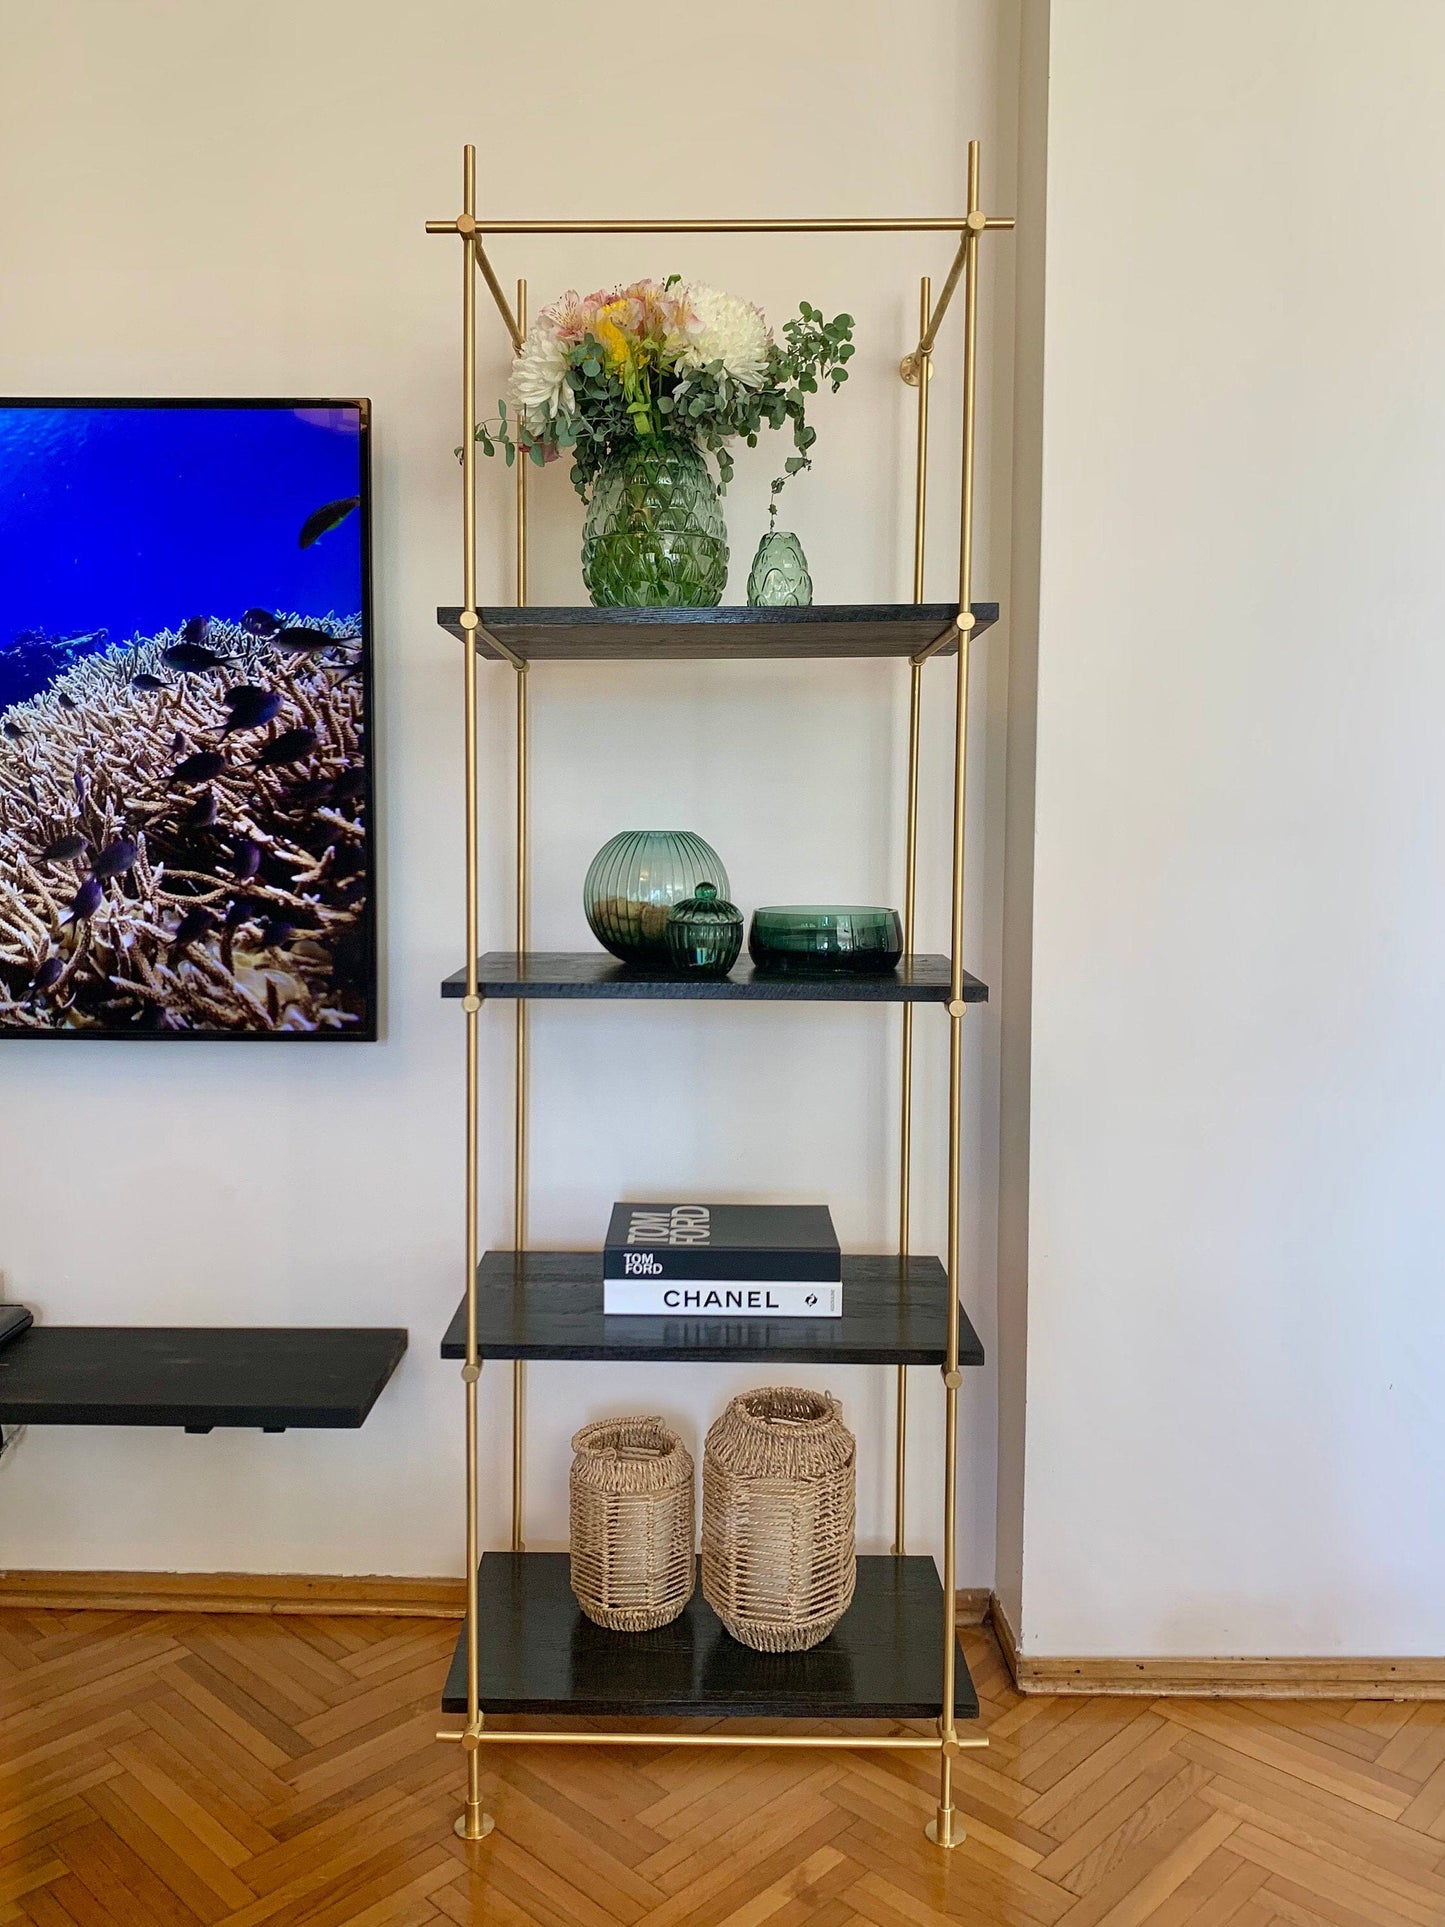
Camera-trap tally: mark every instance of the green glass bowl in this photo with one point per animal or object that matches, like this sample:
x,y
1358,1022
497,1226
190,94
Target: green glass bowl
x,y
817,939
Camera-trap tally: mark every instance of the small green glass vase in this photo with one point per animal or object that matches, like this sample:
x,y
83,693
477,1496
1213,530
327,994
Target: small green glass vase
x,y
633,882
654,536
704,933
779,576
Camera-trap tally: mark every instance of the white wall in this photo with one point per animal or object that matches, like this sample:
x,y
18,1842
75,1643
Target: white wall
x,y
1236,1220
229,199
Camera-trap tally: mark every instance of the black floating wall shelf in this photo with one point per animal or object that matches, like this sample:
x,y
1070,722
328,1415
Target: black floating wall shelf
x,y
198,1378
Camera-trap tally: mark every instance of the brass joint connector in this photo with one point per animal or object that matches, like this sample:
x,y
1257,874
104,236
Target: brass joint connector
x,y
471,1005
956,1007
469,619
977,221
951,1379
470,1374
467,225
472,1738
964,621
910,365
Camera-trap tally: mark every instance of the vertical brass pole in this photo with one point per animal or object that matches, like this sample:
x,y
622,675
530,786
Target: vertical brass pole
x,y
519,1155
910,879
945,1829
473,1823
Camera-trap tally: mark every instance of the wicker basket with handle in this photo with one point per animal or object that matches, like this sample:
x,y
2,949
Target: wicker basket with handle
x,y
778,1546
633,1558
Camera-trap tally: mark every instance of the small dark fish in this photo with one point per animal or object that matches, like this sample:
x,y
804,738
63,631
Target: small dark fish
x,y
251,707
306,795
199,768
202,813
196,629
14,729
195,923
351,783
244,910
87,900
191,657
67,702
289,747
259,622
145,681
303,641
321,521
247,859
49,974
115,859
65,849
276,931
178,743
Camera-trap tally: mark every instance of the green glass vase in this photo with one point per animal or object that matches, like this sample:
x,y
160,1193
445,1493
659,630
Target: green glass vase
x,y
779,576
654,536
633,882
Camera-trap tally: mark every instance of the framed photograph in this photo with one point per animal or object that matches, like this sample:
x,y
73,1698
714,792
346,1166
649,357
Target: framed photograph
x,y
185,720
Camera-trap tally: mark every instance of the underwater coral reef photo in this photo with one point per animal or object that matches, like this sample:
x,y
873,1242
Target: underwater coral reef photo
x,y
185,720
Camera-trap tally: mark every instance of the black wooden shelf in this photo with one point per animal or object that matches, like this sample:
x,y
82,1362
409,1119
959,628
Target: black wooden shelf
x,y
548,1304
538,1654
921,979
201,1378
736,634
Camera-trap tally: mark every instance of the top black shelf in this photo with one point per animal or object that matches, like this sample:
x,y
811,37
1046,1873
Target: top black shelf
x,y
737,633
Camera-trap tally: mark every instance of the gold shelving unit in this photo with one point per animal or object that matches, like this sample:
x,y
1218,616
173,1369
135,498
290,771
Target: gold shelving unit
x,y
482,643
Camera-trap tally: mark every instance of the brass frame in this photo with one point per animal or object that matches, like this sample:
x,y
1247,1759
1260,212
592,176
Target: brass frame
x,y
474,1823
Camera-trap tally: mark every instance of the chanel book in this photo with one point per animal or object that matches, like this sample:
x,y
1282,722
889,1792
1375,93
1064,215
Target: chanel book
x,y
655,1298
731,1244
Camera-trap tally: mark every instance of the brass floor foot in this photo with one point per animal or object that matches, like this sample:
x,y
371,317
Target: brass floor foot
x,y
945,1829
472,1824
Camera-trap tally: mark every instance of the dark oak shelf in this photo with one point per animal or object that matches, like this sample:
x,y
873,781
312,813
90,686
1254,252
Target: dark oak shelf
x,y
164,1375
736,633
539,1655
548,1304
922,979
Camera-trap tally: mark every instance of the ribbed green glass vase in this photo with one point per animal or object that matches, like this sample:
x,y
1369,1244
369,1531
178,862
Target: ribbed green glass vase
x,y
633,882
704,933
654,536
779,578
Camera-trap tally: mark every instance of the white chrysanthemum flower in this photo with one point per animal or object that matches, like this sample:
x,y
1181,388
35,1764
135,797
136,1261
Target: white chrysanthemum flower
x,y
538,387
728,330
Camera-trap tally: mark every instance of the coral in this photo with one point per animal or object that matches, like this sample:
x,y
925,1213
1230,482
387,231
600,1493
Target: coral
x,y
170,862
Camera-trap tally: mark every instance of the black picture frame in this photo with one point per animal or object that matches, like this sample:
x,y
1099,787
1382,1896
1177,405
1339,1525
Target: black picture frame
x,y
368,1030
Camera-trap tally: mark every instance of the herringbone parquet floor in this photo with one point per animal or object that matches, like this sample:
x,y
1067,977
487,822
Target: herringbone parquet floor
x,y
158,1771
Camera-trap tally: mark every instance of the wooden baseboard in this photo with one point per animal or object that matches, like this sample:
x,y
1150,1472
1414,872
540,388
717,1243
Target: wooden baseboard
x,y
233,1592
1246,1679
974,1605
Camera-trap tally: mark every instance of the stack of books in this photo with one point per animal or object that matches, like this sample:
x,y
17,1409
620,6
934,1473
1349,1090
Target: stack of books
x,y
722,1260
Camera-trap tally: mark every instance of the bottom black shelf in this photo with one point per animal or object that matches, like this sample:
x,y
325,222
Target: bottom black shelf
x,y
540,1655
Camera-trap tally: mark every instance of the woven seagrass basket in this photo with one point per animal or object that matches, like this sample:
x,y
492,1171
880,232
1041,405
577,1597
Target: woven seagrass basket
x,y
778,1547
633,1559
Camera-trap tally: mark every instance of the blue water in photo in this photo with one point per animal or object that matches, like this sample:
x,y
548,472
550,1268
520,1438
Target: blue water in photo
x,y
129,521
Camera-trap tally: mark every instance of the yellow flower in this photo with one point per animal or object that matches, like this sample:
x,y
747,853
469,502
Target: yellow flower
x,y
619,347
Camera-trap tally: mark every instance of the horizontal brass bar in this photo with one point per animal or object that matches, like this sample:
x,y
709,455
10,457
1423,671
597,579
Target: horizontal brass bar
x,y
836,1741
926,224
917,224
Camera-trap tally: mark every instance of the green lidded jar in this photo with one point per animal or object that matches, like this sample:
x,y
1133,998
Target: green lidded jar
x,y
779,577
633,882
654,536
704,933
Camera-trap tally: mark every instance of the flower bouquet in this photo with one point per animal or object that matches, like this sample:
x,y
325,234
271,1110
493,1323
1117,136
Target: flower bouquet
x,y
640,385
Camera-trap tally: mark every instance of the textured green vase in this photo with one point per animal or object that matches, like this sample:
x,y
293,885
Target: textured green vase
x,y
654,536
779,577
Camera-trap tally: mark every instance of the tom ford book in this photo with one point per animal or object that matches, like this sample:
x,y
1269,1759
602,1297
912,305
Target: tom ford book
x,y
732,1244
